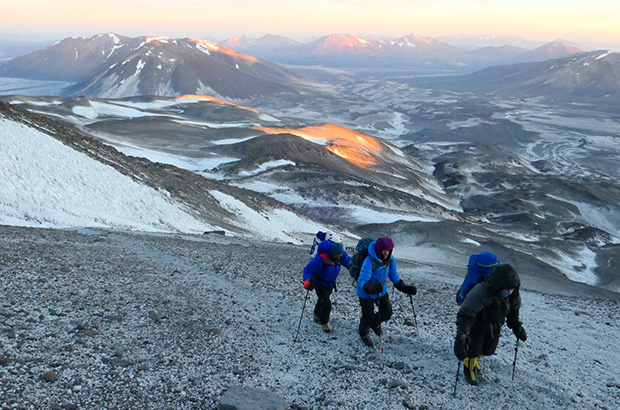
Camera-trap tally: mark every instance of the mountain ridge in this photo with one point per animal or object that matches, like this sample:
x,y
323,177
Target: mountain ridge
x,y
108,65
412,50
590,76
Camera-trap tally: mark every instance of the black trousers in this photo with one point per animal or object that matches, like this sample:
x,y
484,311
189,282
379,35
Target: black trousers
x,y
372,319
483,339
323,306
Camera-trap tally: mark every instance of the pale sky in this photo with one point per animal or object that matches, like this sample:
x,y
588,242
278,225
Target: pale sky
x,y
585,22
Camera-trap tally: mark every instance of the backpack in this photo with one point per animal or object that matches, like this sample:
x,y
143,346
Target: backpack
x,y
361,252
318,238
479,268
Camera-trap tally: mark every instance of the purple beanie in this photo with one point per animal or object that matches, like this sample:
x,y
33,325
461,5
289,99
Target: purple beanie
x,y
383,244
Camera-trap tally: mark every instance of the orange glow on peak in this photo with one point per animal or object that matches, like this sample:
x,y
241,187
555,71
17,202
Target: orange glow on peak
x,y
221,49
422,39
354,146
214,99
235,40
161,39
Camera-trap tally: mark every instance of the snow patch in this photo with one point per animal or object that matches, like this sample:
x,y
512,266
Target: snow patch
x,y
277,224
265,166
603,55
67,189
98,109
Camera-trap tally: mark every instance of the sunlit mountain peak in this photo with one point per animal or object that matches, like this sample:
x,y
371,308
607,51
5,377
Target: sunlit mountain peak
x,y
422,39
354,146
161,39
209,45
342,43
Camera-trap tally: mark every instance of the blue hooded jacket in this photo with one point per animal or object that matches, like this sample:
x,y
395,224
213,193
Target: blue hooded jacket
x,y
373,269
322,269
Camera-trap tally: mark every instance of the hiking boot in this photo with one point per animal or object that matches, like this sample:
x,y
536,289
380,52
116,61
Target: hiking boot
x,y
316,319
471,368
377,329
326,328
366,340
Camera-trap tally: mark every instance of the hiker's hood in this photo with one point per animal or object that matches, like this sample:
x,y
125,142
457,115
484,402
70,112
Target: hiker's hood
x,y
503,277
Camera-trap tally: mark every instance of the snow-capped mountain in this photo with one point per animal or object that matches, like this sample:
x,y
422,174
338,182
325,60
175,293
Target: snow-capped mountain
x,y
550,51
114,66
72,59
168,67
411,51
265,43
341,44
593,75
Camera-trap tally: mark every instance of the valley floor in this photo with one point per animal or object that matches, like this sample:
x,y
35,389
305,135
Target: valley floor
x,y
106,319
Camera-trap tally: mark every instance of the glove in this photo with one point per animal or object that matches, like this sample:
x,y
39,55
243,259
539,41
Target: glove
x,y
308,284
373,288
519,331
461,345
408,289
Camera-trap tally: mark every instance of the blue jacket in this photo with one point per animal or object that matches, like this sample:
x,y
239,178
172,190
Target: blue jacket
x,y
322,269
373,269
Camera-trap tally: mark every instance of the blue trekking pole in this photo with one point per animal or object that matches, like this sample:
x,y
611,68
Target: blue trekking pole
x,y
514,363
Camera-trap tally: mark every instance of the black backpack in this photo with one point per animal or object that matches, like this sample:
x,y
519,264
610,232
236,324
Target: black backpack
x,y
361,252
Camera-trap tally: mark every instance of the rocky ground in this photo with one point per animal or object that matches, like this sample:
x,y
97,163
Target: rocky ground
x,y
97,319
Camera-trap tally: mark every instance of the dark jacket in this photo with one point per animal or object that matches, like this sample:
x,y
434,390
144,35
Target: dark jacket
x,y
485,309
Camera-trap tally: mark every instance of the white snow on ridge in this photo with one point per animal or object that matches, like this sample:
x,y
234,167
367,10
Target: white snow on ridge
x,y
211,124
229,141
47,184
369,216
266,166
580,268
98,109
141,64
277,224
180,161
603,55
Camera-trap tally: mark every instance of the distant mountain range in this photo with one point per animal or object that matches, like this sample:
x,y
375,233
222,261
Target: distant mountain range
x,y
113,66
411,51
593,75
15,47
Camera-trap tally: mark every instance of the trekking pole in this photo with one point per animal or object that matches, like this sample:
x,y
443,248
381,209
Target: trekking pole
x,y
415,317
381,348
302,315
514,363
458,371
